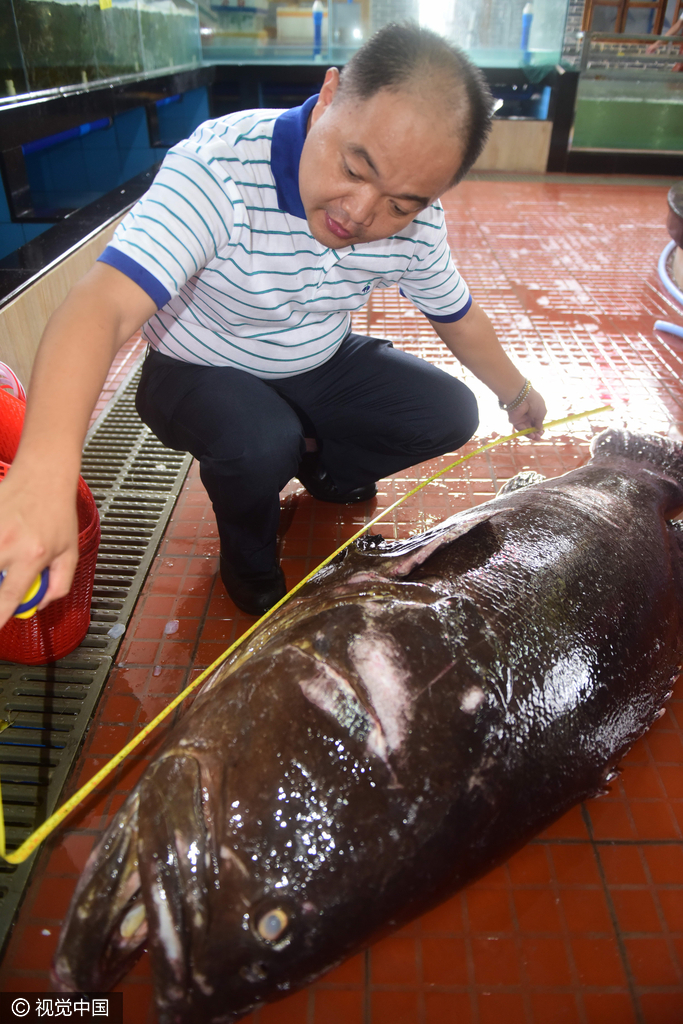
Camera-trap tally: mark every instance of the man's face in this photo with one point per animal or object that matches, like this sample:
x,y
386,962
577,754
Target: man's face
x,y
368,167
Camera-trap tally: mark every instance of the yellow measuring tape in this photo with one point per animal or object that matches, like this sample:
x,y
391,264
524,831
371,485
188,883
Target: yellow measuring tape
x,y
48,826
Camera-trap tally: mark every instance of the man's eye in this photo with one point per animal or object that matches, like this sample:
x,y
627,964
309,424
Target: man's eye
x,y
351,174
398,211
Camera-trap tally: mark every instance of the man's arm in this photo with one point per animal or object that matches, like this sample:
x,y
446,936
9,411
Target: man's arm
x,y
38,523
473,340
672,31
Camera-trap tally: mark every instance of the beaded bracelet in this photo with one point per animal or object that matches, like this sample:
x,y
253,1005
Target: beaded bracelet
x,y
521,397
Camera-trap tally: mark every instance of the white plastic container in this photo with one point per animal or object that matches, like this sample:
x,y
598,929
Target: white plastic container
x,y
295,26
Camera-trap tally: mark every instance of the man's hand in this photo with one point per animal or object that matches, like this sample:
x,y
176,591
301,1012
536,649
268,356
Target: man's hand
x,y
530,413
474,341
35,532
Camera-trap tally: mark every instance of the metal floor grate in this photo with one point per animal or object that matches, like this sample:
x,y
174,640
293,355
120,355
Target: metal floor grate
x,y
135,481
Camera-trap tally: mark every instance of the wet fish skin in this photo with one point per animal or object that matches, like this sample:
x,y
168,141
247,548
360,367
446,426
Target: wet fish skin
x,y
421,711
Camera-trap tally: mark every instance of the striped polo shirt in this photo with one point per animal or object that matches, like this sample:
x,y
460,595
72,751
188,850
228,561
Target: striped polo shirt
x,y
220,242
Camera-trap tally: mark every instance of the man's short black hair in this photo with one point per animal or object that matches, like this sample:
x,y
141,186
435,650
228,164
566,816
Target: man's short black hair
x,y
400,56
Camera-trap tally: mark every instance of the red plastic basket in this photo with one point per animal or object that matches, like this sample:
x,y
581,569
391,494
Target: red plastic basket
x,y
58,629
11,421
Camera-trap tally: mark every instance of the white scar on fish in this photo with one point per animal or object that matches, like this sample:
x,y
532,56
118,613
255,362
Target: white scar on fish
x,y
381,667
330,692
363,577
380,663
203,984
231,858
168,935
472,699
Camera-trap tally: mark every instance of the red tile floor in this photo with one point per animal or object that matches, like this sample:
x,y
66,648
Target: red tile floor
x,y
584,925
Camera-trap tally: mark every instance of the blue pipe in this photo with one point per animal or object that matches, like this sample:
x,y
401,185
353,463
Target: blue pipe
x,y
664,274
71,133
663,325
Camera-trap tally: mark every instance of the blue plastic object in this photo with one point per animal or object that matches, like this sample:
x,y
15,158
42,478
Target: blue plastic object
x,y
48,141
33,596
317,28
527,18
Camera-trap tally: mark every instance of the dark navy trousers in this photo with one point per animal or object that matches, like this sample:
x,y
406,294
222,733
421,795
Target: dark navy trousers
x,y
373,409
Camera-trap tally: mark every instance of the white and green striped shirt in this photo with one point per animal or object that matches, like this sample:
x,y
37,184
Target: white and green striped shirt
x,y
222,245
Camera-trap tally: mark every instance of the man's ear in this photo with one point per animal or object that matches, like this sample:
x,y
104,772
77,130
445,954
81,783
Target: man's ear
x,y
327,93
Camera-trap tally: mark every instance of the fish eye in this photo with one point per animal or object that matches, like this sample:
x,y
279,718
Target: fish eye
x,y
272,924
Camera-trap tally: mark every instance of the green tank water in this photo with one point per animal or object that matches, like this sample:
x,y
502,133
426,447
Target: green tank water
x,y
630,114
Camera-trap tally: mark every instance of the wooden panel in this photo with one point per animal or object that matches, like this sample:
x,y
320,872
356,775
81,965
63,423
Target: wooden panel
x,y
23,321
516,146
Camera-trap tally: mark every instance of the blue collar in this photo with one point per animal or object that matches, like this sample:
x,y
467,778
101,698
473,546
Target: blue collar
x,y
289,135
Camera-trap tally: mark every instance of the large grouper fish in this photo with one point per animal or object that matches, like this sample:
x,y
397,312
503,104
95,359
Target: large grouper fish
x,y
413,716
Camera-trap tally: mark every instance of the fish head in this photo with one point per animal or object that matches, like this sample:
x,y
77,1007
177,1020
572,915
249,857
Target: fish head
x,y
226,872
261,859
263,844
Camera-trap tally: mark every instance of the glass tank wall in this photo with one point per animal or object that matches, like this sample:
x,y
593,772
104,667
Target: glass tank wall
x,y
501,33
49,43
496,33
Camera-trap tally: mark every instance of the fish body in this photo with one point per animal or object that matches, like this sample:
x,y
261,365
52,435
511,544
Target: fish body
x,y
420,711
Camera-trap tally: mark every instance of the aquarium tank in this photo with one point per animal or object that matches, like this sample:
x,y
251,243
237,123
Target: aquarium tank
x,y
50,43
496,33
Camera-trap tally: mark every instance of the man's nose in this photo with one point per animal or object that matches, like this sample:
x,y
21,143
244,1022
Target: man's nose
x,y
360,206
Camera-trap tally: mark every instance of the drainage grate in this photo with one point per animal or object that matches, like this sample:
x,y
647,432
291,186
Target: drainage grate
x,y
135,481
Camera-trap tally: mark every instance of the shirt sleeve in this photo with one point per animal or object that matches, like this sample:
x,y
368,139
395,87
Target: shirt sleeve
x,y
432,281
178,226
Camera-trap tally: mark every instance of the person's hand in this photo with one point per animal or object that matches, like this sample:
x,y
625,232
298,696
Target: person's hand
x,y
530,413
37,529
653,47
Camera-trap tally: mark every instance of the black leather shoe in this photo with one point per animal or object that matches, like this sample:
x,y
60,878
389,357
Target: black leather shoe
x,y
313,476
254,592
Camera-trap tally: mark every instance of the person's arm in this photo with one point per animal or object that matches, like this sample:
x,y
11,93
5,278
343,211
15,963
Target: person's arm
x,y
475,343
38,523
672,31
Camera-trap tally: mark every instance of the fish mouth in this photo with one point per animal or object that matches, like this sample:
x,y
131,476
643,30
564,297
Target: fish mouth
x,y
145,885
106,925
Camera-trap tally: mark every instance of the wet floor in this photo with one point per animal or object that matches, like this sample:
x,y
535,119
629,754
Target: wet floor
x,y
585,925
